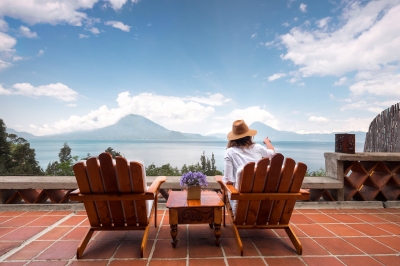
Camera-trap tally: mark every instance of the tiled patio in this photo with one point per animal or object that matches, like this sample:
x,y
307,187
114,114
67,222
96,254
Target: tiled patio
x,y
329,237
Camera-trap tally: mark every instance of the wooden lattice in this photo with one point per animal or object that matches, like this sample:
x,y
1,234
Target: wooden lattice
x,y
383,134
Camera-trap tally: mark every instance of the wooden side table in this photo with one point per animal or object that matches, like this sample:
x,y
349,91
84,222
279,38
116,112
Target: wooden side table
x,y
207,210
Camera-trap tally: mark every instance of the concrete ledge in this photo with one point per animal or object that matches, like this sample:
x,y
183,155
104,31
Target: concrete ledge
x,y
339,205
161,206
43,207
391,204
69,182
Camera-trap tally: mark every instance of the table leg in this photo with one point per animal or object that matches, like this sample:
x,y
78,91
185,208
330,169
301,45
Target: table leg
x,y
174,233
217,233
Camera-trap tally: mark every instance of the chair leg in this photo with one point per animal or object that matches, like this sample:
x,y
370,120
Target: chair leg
x,y
295,241
238,239
144,242
84,243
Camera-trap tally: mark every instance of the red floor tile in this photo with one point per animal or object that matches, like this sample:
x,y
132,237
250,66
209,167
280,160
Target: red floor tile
x,y
393,229
88,263
45,221
338,246
9,245
369,229
369,245
17,222
359,260
100,249
314,230
284,261
345,218
392,242
55,233
370,218
273,247
49,263
199,247
167,263
131,249
204,262
301,219
318,261
388,260
164,249
245,261
128,263
59,250
342,230
30,251
22,233
321,218
310,247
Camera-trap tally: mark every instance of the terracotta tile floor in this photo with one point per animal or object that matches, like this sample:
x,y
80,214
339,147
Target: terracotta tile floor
x,y
329,237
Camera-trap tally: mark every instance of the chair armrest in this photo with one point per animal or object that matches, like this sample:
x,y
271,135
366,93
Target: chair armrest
x,y
75,192
223,185
305,195
156,184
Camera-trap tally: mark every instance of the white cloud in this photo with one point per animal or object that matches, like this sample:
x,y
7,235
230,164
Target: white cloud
x,y
18,58
26,32
168,111
303,7
71,105
82,36
318,119
216,99
118,25
341,81
285,24
368,37
3,25
47,11
94,30
6,42
117,4
40,53
276,76
385,83
55,90
253,114
254,35
323,22
4,65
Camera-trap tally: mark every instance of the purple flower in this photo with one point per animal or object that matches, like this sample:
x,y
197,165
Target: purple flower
x,y
193,179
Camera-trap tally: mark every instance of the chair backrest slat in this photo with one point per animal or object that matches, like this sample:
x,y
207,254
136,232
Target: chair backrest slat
x,y
245,186
96,183
125,186
139,186
111,186
82,180
271,183
284,187
298,177
258,187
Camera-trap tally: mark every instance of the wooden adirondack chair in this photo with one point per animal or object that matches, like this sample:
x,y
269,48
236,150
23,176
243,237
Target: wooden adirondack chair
x,y
266,196
115,196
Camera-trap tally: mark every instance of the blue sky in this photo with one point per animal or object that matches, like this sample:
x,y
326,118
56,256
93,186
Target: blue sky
x,y
196,66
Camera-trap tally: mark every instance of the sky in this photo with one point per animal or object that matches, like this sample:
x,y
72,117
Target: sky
x,y
196,66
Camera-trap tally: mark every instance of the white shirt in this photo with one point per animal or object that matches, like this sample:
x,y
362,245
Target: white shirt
x,y
237,157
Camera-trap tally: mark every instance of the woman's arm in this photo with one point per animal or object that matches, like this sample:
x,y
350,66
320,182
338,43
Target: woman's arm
x,y
268,143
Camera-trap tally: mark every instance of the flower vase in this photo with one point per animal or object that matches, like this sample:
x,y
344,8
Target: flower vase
x,y
194,193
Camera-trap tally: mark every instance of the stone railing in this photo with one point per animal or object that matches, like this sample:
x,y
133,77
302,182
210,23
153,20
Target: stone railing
x,y
360,176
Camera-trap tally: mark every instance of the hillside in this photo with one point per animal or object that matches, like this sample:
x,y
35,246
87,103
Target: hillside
x,y
136,127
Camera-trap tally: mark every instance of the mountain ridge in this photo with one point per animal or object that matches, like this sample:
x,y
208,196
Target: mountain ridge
x,y
136,127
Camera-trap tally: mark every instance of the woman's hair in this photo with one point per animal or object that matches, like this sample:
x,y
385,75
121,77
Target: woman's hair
x,y
242,142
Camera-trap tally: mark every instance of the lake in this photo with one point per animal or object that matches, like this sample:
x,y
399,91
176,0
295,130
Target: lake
x,y
178,153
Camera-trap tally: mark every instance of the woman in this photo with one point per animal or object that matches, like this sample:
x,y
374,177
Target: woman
x,y
241,150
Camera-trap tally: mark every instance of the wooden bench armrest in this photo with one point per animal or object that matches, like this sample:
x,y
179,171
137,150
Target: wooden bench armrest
x,y
75,192
229,188
156,184
305,195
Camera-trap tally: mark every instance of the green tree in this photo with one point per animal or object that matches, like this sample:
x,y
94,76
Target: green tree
x,y
63,167
23,157
113,152
16,155
5,150
319,172
164,170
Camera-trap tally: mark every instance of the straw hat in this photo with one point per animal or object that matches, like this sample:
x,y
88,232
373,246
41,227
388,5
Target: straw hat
x,y
240,130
